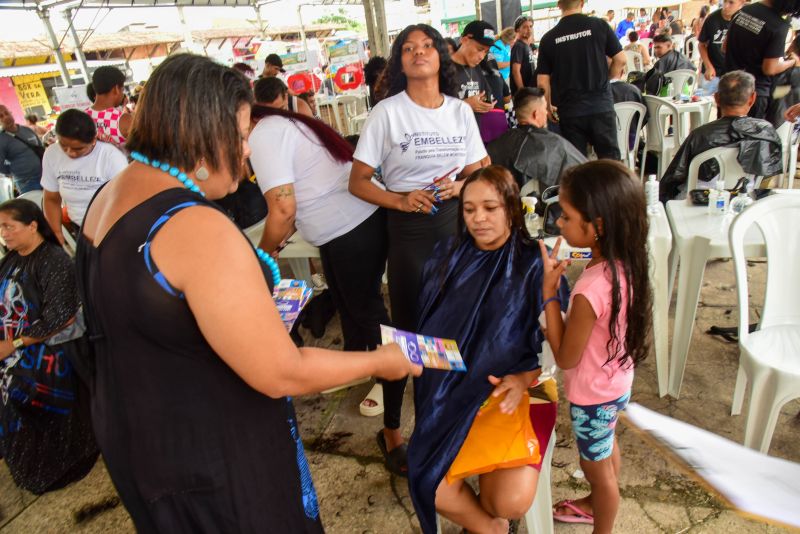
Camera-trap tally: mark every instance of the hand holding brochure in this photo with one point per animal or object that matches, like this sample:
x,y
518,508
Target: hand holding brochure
x,y
291,296
432,352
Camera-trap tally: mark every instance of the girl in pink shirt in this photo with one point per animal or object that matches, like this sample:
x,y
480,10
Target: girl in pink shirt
x,y
606,333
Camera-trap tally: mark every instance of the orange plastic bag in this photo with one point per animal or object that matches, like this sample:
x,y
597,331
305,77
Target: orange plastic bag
x,y
496,441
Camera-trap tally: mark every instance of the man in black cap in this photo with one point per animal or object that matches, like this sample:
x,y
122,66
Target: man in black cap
x,y
273,65
473,88
523,65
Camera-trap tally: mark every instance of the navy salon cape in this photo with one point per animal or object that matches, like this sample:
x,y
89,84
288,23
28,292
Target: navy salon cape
x,y
491,309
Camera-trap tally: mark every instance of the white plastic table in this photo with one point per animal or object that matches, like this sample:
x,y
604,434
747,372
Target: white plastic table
x,y
699,236
698,112
659,242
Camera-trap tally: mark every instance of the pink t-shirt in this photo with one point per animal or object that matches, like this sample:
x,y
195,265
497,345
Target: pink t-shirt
x,y
593,381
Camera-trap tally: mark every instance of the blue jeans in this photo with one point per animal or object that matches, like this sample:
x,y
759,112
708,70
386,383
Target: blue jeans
x,y
27,183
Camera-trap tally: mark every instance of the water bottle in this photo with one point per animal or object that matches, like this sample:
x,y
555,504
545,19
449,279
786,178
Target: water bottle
x,y
651,194
532,221
722,198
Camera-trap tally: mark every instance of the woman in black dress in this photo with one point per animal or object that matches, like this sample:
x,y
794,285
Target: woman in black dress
x,y
193,366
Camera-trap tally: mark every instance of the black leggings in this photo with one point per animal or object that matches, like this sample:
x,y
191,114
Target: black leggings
x,y
412,237
353,264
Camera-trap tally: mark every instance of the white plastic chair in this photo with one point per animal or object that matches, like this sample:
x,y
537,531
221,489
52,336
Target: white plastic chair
x,y
657,140
37,197
679,78
691,49
357,123
678,42
789,146
633,61
729,167
297,252
352,106
770,356
648,44
539,517
6,188
626,112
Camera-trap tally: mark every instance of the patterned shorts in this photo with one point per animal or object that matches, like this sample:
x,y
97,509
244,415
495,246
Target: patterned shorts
x,y
594,426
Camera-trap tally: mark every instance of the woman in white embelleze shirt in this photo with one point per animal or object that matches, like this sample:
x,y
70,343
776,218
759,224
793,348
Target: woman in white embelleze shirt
x,y
425,141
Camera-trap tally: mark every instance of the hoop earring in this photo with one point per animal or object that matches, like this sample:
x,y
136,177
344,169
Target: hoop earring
x,y
201,173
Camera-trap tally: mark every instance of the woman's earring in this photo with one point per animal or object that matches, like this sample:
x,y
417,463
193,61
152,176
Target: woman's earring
x,y
596,237
201,173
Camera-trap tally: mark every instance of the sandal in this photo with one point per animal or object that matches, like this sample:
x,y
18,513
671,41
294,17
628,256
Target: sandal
x,y
729,333
375,395
395,460
577,515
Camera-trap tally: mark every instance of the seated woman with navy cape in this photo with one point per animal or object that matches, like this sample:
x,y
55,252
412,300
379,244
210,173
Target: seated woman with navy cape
x,y
481,288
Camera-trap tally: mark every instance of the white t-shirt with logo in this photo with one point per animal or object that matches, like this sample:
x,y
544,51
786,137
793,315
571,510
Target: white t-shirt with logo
x,y
286,151
76,180
414,145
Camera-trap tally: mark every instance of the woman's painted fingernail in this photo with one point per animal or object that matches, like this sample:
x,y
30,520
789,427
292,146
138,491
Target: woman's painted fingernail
x,y
434,210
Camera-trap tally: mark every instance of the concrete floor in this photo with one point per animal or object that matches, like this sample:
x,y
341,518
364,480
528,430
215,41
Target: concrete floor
x,y
358,496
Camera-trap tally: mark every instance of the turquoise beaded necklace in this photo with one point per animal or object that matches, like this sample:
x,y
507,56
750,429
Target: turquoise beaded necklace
x,y
189,184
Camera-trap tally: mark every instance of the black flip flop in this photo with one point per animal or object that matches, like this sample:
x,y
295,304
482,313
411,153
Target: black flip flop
x,y
729,333
396,460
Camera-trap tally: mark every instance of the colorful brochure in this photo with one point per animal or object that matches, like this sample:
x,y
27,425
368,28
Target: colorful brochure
x,y
432,352
291,296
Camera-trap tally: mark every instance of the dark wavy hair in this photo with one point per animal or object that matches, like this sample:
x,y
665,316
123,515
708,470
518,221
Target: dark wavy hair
x,y
608,191
503,182
395,79
27,212
187,112
338,147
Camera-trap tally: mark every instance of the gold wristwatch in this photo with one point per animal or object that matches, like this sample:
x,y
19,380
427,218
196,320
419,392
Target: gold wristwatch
x,y
17,343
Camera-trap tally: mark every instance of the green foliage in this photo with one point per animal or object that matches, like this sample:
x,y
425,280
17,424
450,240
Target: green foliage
x,y
341,18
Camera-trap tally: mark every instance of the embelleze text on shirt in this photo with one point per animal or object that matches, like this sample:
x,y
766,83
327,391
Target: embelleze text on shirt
x,y
573,36
749,22
430,138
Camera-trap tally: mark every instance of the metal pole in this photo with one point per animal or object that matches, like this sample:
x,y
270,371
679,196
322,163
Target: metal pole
x,y
531,4
302,30
54,44
498,11
382,33
477,9
259,19
369,15
188,42
77,44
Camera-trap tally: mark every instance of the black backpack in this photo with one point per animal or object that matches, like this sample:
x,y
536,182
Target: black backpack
x,y
654,81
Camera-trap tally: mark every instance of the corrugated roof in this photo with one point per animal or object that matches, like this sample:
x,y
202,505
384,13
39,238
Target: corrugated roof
x,y
114,41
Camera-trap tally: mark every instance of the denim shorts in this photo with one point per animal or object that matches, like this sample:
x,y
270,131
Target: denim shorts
x,y
594,426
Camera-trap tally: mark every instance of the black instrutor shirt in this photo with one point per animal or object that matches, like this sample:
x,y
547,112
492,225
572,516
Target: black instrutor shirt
x,y
713,33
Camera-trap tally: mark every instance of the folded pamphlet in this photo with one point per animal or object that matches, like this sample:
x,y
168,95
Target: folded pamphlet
x,y
291,296
432,352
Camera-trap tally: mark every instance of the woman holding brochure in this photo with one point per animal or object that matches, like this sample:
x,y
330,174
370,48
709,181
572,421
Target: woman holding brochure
x,y
421,136
482,288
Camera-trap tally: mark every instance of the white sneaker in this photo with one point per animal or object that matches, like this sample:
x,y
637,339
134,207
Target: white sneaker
x,y
318,281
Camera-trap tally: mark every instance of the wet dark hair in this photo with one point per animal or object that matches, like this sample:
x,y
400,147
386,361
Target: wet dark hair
x,y
633,36
187,112
27,212
608,191
525,95
32,117
339,149
268,89
662,38
396,81
76,124
503,182
104,79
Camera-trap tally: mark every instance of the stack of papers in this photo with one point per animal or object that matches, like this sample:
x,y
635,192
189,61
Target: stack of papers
x,y
291,296
432,352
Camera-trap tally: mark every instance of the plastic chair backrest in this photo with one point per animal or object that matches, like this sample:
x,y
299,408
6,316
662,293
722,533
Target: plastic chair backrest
x,y
679,78
352,105
647,43
776,217
633,61
657,124
36,196
6,188
785,132
729,168
690,48
626,112
678,42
